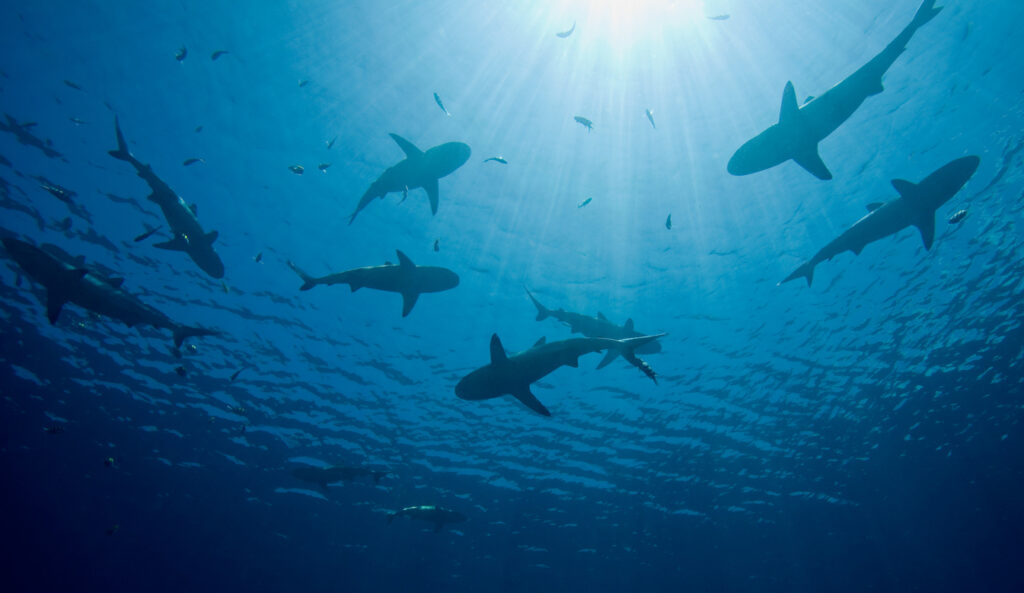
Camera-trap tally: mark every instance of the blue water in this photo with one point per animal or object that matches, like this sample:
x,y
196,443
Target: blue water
x,y
861,434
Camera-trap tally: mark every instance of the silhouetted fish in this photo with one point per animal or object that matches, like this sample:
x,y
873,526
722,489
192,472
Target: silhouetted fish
x,y
565,34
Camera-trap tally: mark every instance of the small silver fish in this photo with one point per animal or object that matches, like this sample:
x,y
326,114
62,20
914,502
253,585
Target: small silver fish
x,y
650,118
584,203
565,34
497,159
437,99
297,169
957,216
668,222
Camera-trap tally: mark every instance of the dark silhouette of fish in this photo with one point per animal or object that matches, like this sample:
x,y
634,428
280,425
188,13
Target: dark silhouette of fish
x,y
584,202
439,516
915,206
437,99
330,475
565,34
192,161
586,123
419,169
719,17
218,53
957,216
801,128
181,54
650,118
497,159
72,85
21,132
149,233
406,278
668,222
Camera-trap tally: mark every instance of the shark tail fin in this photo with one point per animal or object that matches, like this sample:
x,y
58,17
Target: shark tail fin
x,y
629,346
184,331
307,280
122,147
925,13
806,270
542,311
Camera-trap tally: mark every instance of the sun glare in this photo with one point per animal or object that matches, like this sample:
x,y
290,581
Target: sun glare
x,y
625,22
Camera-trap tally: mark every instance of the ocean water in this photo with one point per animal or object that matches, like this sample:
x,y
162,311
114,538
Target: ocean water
x,y
862,433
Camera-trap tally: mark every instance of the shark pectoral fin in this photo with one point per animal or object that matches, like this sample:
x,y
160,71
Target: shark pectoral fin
x,y
609,356
178,243
211,237
431,187
408,302
927,228
498,355
543,340
407,147
403,260
789,109
811,160
54,301
531,401
629,325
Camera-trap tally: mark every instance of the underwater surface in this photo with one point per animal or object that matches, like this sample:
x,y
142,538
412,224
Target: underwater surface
x,y
858,432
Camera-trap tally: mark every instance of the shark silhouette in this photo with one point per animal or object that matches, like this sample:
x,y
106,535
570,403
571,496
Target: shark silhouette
x,y
406,278
329,475
181,218
801,128
419,169
915,206
66,280
512,375
432,514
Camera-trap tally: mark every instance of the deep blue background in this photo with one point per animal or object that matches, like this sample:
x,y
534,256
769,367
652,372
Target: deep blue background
x,y
861,434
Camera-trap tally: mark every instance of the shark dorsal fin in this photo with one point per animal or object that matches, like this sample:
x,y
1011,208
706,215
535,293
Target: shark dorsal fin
x,y
629,324
601,316
431,188
115,282
874,206
543,340
403,260
788,110
498,355
407,147
904,188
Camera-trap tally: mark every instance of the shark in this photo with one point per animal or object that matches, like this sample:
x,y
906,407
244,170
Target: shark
x,y
596,327
512,375
915,206
329,475
405,278
188,234
67,280
801,128
432,514
24,136
419,169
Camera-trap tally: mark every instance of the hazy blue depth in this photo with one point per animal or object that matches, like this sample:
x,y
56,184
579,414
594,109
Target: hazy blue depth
x,y
863,433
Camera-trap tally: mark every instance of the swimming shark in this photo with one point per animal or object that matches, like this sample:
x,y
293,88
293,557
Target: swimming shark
x,y
801,128
67,280
24,136
329,475
915,206
596,327
181,218
406,278
419,169
433,514
512,375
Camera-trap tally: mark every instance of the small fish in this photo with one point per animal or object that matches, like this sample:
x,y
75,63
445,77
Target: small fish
x,y
61,193
77,121
192,161
235,374
668,222
54,429
218,53
323,167
303,83
330,144
297,169
65,224
565,34
198,129
584,203
72,85
240,410
437,99
108,462
437,245
957,216
586,123
719,17
180,370
149,233
258,258
497,159
192,349
650,118
181,53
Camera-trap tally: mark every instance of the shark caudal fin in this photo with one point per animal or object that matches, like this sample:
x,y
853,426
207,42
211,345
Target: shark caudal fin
x,y
806,270
307,280
542,311
122,152
184,331
628,348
